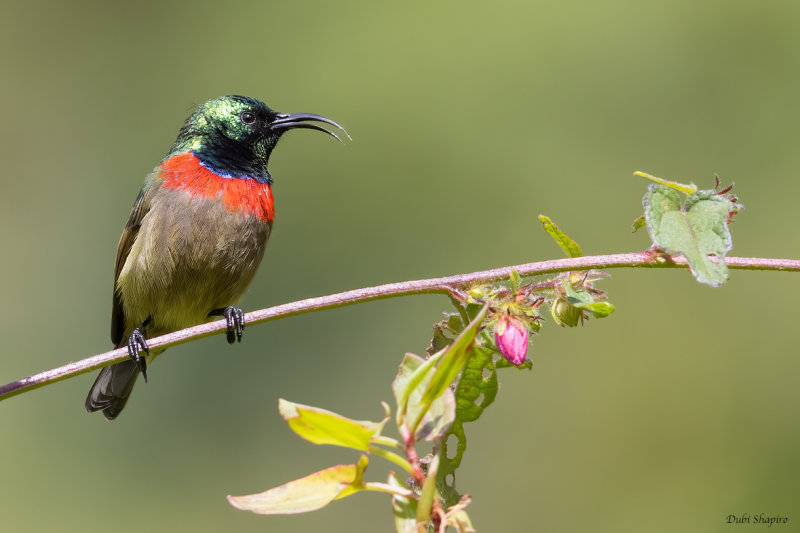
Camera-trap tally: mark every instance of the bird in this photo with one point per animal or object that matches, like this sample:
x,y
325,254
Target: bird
x,y
196,234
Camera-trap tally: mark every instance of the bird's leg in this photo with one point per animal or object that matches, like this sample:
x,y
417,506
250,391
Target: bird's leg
x,y
235,318
137,342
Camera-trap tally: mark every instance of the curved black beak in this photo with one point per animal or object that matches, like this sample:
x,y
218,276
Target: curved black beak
x,y
288,121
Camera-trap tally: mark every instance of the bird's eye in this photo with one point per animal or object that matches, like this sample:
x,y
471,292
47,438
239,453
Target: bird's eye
x,y
248,117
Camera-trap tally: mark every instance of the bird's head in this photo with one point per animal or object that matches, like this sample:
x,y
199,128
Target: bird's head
x,y
234,135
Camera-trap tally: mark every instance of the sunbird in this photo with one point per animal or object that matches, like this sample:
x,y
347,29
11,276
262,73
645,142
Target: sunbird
x,y
196,234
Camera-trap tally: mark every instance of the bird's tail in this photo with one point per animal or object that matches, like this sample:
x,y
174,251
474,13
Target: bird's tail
x,y
111,388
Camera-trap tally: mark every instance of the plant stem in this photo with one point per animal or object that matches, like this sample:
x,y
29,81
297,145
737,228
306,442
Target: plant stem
x,y
393,457
451,285
387,441
412,455
385,487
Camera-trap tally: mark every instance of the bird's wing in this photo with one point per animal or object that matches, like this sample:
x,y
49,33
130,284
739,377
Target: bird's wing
x,y
140,209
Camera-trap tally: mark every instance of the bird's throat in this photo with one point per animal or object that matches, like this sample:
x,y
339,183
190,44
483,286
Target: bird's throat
x,y
250,196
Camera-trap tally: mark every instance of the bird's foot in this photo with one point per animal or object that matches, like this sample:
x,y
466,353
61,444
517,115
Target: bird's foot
x,y
235,318
137,343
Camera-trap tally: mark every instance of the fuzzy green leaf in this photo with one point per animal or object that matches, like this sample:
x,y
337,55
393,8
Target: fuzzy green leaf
x,y
569,246
695,228
309,493
324,427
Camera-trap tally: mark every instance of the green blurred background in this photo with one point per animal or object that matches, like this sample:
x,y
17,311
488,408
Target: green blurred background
x,y
468,119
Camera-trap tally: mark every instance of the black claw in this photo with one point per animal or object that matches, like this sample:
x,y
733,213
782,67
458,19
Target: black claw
x,y
137,343
235,318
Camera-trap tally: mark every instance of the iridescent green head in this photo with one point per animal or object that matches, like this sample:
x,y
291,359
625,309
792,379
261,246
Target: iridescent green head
x,y
234,135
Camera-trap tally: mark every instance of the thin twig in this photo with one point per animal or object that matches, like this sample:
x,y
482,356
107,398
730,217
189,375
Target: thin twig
x,y
451,285
412,455
391,489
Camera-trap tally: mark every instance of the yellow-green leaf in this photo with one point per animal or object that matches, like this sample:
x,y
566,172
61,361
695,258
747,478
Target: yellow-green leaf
x,y
638,224
324,427
685,189
309,493
569,246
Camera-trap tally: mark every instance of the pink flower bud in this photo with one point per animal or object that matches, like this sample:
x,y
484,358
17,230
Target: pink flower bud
x,y
511,338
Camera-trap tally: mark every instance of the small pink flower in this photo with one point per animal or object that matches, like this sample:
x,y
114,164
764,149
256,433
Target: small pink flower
x,y
511,338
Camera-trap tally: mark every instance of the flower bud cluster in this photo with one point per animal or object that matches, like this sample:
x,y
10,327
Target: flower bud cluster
x,y
573,291
513,316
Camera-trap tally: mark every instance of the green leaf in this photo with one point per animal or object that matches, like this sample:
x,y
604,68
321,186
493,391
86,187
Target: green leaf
x,y
638,224
444,332
600,309
412,372
473,309
569,246
516,281
439,415
309,493
428,492
695,229
583,299
438,418
685,189
324,427
452,362
358,483
476,390
502,363
404,509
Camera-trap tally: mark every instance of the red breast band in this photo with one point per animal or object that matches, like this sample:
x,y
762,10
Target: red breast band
x,y
185,172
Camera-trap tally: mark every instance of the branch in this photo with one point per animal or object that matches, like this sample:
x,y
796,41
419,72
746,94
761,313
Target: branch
x,y
450,285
